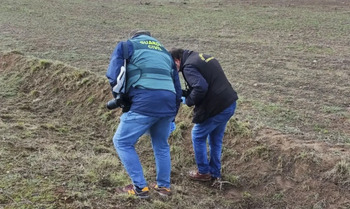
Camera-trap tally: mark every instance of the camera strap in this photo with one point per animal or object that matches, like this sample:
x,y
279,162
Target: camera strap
x,y
121,79
125,56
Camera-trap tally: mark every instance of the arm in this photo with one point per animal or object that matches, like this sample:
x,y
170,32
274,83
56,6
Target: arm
x,y
117,60
198,84
115,63
177,85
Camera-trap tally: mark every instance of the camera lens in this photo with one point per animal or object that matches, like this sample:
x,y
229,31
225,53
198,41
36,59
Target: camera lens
x,y
112,104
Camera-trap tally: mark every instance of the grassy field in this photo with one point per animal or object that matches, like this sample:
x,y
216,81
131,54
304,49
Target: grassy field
x,y
288,145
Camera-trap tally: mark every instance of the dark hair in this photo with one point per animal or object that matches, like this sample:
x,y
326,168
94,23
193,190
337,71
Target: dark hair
x,y
176,53
139,32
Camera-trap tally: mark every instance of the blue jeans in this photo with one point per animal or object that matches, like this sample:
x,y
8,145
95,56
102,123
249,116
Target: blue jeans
x,y
132,126
212,129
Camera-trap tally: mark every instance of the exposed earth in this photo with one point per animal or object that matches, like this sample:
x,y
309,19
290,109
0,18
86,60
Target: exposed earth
x,y
51,129
287,146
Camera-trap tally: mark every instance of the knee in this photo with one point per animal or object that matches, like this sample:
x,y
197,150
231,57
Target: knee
x,y
115,142
119,144
161,150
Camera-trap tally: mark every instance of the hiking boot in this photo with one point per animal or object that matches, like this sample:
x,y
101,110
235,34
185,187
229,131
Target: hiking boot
x,y
162,191
133,190
196,176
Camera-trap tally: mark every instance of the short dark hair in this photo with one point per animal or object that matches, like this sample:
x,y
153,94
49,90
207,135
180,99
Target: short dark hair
x,y
139,32
176,53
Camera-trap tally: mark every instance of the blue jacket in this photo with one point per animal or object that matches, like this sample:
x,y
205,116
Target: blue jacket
x,y
151,102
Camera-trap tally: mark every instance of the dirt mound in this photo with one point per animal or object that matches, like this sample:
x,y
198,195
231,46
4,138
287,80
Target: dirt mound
x,y
304,173
57,151
55,88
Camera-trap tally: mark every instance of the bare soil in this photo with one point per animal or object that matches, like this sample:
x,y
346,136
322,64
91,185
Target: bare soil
x,y
287,147
269,170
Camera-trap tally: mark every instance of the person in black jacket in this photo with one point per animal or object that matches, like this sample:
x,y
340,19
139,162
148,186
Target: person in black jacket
x,y
214,101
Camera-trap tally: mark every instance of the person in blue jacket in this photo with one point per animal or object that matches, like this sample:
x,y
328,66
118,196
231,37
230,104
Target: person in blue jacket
x,y
214,101
154,91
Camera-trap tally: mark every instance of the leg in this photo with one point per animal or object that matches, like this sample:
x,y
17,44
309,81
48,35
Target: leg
x,y
132,126
199,140
216,139
215,146
159,134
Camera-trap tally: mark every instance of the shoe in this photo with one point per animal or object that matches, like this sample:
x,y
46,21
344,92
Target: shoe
x,y
133,190
162,191
196,176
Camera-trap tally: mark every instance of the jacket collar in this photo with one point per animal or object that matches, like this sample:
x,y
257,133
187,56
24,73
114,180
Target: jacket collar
x,y
185,55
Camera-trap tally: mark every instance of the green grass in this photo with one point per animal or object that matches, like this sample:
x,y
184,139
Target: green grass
x,y
9,85
246,38
67,158
288,62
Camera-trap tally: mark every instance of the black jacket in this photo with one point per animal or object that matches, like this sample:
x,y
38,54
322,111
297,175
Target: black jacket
x,y
219,94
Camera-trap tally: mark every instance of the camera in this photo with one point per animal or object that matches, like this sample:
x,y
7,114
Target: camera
x,y
112,104
120,101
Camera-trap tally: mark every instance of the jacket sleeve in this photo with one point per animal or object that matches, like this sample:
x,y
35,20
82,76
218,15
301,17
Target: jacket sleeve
x,y
177,85
116,61
198,85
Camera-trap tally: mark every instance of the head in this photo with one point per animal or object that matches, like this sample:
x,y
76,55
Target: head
x,y
177,53
135,33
